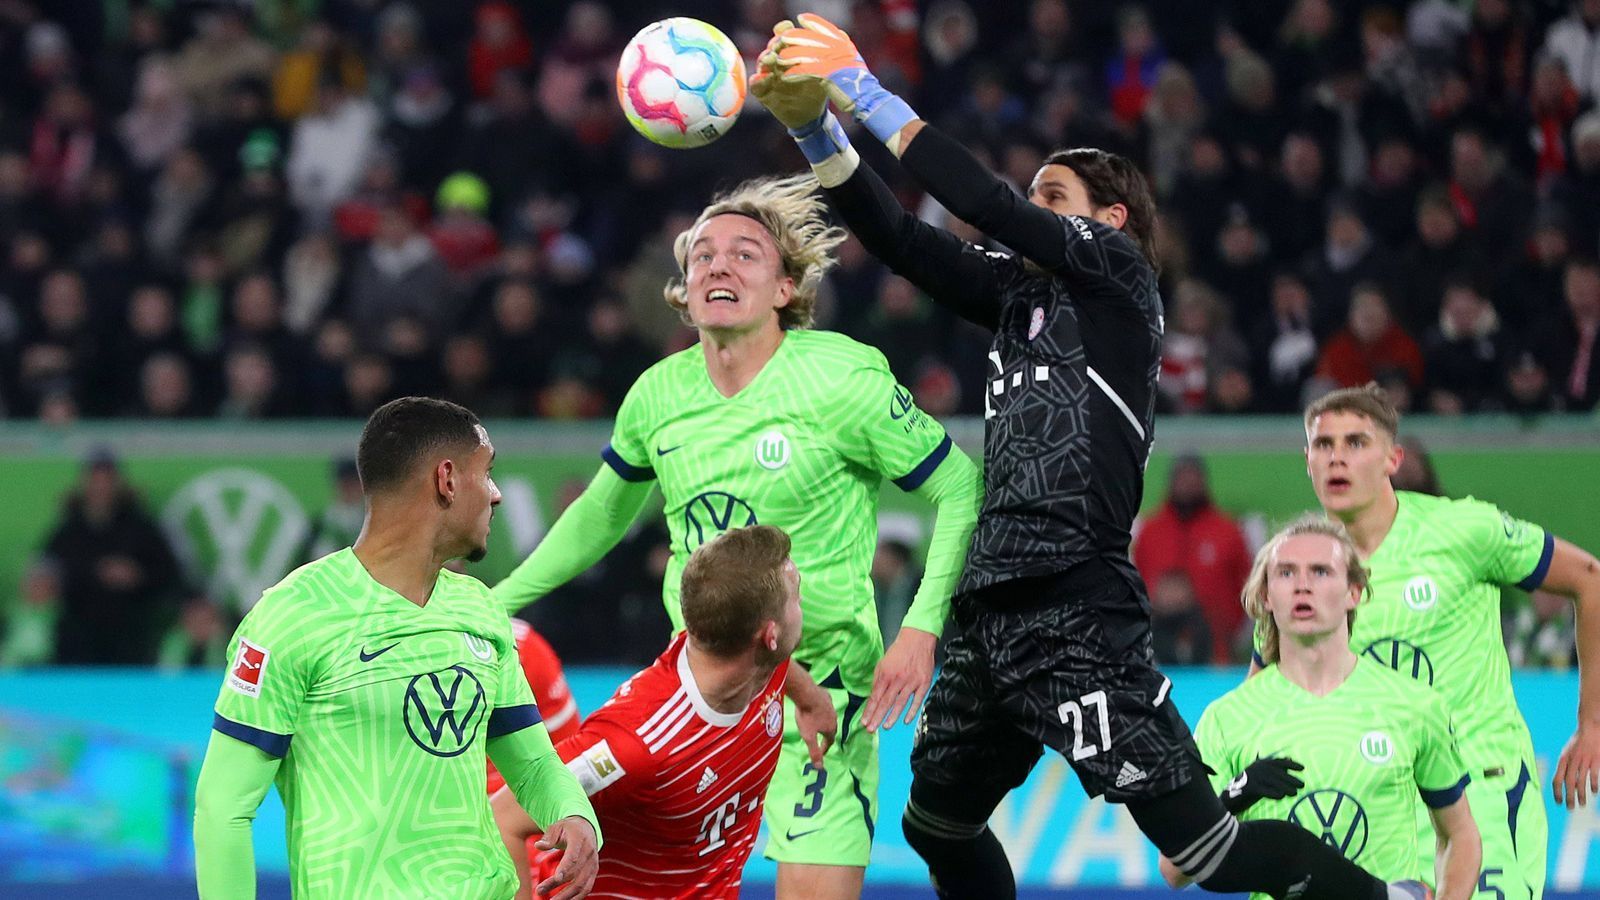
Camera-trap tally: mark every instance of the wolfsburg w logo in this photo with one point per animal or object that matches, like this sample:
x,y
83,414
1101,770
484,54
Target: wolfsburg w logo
x,y
443,710
1335,817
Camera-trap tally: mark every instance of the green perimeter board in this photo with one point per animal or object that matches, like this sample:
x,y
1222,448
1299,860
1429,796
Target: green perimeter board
x,y
243,494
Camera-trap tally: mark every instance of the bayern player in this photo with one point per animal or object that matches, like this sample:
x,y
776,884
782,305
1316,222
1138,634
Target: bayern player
x,y
369,684
1341,745
1055,648
767,421
677,762
1437,569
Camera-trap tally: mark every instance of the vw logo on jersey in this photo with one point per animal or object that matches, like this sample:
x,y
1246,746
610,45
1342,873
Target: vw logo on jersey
x,y
772,450
1335,817
443,710
478,647
1402,656
1421,593
1376,748
712,513
1036,324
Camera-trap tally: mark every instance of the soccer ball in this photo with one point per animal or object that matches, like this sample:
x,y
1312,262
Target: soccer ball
x,y
681,83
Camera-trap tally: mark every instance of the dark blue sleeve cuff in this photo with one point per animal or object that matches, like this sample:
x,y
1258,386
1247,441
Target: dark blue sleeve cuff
x,y
1256,658
1536,577
1442,798
627,470
914,479
268,741
507,719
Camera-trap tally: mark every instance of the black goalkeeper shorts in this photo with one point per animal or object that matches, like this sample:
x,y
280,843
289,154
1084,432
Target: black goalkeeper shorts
x,y
1060,661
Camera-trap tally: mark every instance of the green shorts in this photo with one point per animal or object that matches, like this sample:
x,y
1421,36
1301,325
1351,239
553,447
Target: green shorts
x,y
1509,810
825,817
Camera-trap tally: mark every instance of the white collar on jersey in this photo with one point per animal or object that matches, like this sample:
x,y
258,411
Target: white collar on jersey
x,y
698,700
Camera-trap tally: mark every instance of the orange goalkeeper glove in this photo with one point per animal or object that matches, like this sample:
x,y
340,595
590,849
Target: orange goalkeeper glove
x,y
819,49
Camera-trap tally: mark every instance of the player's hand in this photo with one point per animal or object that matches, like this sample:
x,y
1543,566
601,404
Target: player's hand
x,y
1577,773
901,680
820,51
817,720
580,859
1265,779
796,103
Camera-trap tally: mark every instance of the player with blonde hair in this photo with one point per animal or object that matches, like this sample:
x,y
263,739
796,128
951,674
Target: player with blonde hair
x,y
769,422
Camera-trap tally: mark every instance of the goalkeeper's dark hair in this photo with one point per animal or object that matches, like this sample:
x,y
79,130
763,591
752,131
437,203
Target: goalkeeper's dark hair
x,y
732,585
1254,595
1112,178
402,434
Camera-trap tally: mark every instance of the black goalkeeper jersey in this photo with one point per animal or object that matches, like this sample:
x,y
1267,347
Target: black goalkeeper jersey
x,y
1069,391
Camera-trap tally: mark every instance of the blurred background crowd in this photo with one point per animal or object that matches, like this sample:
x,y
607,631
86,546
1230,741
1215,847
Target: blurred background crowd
x,y
236,210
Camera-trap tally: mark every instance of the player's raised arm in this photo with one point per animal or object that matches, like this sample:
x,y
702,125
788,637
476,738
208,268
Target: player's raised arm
x,y
819,51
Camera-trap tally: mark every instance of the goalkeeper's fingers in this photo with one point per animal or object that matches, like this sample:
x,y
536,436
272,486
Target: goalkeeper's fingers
x,y
816,23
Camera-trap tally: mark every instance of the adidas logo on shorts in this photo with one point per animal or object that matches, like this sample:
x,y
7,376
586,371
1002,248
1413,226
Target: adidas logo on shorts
x,y
1129,774
708,777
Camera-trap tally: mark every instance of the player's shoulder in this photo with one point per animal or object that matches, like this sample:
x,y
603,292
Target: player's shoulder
x,y
842,350
672,367
1433,508
1244,700
1397,686
320,588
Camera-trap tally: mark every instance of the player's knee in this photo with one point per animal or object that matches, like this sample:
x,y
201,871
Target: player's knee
x,y
929,833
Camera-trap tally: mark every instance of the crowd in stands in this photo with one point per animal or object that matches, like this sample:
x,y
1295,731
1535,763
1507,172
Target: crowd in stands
x,y
290,208
237,210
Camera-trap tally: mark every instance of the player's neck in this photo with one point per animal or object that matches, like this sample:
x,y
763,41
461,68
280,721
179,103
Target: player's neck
x,y
727,685
399,555
1319,668
734,359
1369,525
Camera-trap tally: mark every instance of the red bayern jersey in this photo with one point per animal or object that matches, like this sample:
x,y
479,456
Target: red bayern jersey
x,y
542,667
678,786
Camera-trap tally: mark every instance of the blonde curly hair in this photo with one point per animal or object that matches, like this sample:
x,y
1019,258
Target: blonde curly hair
x,y
794,213
1254,595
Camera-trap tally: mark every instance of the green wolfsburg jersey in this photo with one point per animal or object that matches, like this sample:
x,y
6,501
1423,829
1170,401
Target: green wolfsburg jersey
x,y
1434,613
1374,749
803,447
381,711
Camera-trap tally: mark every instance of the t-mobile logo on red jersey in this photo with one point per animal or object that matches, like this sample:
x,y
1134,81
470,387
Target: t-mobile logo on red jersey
x,y
249,667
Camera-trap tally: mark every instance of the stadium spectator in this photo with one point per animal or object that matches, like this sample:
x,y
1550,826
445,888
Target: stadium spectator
x,y
1416,472
30,633
1371,345
1283,346
1578,192
329,151
1566,343
1179,632
1189,534
498,44
1532,289
1541,633
167,389
1198,346
1348,258
1465,354
1496,53
895,576
399,275
119,576
338,524
1575,40
222,51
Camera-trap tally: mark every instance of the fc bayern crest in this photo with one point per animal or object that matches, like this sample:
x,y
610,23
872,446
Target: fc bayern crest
x,y
1036,324
773,718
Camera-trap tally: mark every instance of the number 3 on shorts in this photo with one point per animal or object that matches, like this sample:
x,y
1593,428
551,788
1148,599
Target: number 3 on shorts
x,y
813,792
1072,713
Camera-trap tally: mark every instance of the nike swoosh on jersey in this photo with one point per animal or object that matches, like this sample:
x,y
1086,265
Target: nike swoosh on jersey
x,y
369,657
794,837
661,452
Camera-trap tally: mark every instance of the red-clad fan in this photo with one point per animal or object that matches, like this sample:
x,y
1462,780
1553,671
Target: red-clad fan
x,y
677,762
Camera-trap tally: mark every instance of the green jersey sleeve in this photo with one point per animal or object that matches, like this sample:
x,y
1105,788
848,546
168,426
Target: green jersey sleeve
x,y
628,453
880,427
1508,550
1214,751
271,668
1441,775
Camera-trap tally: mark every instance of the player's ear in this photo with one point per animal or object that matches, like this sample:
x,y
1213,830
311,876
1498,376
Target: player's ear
x,y
444,481
769,635
1115,215
785,293
1397,455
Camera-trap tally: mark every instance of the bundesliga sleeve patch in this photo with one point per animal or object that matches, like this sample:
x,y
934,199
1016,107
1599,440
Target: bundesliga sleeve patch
x,y
596,768
249,668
